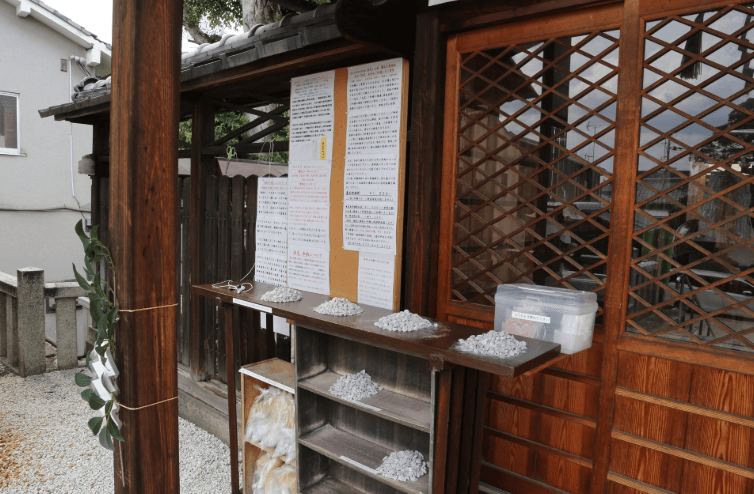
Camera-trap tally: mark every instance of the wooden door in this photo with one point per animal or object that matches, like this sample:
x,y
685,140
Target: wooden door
x,y
609,149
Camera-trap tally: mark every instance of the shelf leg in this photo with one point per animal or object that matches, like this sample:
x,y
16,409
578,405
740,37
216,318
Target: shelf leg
x,y
232,419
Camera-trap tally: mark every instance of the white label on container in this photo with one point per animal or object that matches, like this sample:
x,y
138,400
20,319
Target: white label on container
x,y
531,317
252,305
356,463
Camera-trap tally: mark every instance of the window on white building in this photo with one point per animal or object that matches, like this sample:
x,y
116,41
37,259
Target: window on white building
x,y
10,142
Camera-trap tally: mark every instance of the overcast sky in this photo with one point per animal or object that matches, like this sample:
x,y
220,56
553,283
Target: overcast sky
x,y
94,15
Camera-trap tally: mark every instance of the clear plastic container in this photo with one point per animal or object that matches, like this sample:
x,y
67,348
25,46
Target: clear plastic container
x,y
552,314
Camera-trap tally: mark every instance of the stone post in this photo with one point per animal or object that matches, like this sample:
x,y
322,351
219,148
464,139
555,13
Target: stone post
x,y
11,305
65,322
31,322
3,327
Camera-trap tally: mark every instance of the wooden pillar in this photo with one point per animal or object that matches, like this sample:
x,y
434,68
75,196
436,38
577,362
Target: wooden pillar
x,y
143,239
202,133
425,167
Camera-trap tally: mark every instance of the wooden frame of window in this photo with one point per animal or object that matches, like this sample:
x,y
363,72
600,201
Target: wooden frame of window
x,y
11,117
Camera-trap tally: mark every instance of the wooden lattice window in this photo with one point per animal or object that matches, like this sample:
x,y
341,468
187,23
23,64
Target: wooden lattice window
x,y
693,260
533,174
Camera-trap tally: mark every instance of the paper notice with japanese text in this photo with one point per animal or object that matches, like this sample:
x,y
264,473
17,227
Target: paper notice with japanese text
x,y
309,224
272,231
370,206
312,115
376,279
309,181
309,269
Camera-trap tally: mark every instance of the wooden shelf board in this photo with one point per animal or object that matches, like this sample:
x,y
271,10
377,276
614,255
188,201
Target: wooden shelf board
x,y
274,372
389,405
331,486
436,342
337,445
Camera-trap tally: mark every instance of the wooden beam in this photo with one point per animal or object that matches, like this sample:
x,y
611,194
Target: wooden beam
x,y
425,168
202,132
246,127
253,111
143,233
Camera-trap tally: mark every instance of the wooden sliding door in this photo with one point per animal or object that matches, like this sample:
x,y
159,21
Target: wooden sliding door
x,y
611,149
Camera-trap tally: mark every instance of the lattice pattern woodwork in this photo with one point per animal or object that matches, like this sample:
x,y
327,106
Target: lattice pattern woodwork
x,y
534,162
693,262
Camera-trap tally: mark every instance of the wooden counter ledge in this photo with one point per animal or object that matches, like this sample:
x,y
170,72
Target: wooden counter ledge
x,y
427,343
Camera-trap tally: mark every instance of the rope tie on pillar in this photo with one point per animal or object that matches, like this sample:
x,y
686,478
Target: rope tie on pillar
x,y
161,401
149,308
147,406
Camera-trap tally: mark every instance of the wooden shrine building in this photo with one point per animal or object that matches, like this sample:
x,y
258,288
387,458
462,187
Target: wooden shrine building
x,y
598,146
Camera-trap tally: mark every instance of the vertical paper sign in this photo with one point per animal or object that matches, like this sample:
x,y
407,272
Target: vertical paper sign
x,y
370,208
309,269
312,116
376,279
272,231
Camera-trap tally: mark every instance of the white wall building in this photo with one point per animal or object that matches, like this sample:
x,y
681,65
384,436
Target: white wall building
x,y
38,157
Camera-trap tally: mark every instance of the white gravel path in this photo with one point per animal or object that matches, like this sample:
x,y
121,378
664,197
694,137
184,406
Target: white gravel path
x,y
45,445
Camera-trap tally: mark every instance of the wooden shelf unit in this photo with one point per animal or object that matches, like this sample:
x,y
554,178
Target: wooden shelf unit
x,y
341,442
272,372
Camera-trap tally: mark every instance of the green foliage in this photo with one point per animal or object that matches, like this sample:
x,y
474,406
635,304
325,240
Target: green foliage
x,y
230,121
105,314
224,14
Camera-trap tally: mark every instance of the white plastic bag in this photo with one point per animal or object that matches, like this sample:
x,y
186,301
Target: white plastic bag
x,y
282,481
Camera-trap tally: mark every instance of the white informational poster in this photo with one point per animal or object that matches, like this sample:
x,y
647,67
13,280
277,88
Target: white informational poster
x,y
370,206
309,181
309,224
272,231
270,268
312,116
311,141
309,269
376,279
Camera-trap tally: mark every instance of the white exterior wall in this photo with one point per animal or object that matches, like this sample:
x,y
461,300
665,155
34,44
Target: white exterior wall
x,y
30,66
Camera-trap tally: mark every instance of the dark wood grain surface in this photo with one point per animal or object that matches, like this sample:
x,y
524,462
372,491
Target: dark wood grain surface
x,y
424,343
142,239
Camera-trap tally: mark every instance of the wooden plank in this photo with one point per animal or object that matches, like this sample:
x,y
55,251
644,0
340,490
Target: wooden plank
x,y
275,372
395,407
455,430
238,186
513,482
686,407
467,430
270,336
424,343
635,484
331,486
143,241
232,420
209,267
223,265
179,212
425,161
250,221
442,428
686,455
626,141
186,324
478,441
688,353
554,412
341,447
202,132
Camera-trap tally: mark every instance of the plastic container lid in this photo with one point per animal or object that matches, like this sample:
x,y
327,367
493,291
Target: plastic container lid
x,y
578,301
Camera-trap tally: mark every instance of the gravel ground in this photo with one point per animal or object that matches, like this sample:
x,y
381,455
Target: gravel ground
x,y
45,445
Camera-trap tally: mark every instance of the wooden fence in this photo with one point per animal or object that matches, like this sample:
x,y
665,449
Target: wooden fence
x,y
227,251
